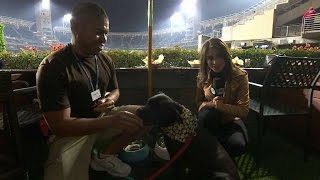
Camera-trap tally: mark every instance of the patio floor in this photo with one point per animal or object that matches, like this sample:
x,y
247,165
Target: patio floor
x,y
282,159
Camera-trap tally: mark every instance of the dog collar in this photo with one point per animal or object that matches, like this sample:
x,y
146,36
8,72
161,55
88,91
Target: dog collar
x,y
181,131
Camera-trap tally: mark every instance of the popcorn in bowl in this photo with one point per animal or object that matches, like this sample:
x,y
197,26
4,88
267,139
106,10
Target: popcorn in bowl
x,y
194,63
238,61
155,63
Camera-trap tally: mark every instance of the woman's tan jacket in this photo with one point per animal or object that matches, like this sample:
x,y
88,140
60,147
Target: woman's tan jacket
x,y
235,97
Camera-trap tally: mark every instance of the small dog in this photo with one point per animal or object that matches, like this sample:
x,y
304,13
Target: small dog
x,y
204,158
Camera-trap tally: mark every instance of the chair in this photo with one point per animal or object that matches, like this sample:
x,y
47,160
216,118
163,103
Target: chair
x,y
20,146
284,73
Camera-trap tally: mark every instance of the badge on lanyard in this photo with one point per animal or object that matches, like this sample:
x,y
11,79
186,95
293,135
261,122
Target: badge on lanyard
x,y
95,95
95,91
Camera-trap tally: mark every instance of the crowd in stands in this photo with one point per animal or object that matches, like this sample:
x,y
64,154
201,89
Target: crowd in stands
x,y
19,38
139,41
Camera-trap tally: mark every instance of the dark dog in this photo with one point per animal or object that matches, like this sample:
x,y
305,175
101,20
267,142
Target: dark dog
x,y
204,158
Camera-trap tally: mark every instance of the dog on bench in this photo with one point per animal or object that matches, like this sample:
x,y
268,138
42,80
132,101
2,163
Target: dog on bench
x,y
204,158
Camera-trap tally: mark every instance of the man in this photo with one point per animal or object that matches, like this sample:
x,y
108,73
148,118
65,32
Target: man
x,y
75,85
309,18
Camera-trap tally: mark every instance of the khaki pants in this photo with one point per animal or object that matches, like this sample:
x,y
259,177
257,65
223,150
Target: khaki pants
x,y
69,157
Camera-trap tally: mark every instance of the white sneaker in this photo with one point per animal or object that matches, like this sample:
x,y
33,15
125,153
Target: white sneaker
x,y
113,165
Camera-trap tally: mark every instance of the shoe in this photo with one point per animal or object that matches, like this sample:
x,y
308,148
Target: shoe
x,y
111,164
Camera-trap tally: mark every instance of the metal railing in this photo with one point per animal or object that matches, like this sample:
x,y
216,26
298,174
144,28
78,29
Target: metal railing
x,y
16,22
269,4
287,31
311,23
248,13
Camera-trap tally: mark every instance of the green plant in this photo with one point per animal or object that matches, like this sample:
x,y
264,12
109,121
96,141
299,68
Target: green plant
x,y
126,58
22,59
2,40
174,57
257,56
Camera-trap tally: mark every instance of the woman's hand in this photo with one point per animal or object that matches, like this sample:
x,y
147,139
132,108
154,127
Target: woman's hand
x,y
207,93
212,103
203,104
104,105
215,101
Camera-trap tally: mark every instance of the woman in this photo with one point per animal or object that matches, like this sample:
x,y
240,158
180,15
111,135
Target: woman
x,y
222,96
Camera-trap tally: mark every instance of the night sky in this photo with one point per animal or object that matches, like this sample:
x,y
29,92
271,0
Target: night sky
x,y
125,15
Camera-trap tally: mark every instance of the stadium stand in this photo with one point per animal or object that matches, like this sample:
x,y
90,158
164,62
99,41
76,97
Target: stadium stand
x,y
19,33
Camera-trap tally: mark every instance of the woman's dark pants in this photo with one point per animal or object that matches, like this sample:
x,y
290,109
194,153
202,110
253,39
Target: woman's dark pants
x,y
233,136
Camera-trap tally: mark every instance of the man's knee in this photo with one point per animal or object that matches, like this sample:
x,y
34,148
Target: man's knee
x,y
69,158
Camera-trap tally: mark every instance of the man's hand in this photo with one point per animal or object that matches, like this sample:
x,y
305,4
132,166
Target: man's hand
x,y
126,121
104,105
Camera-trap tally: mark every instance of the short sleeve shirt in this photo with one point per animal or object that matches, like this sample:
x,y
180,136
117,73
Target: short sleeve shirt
x,y
62,83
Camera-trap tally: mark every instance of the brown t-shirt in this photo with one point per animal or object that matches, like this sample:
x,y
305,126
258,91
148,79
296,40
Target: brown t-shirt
x,y
62,83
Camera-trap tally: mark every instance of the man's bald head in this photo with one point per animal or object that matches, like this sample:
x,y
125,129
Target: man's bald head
x,y
84,13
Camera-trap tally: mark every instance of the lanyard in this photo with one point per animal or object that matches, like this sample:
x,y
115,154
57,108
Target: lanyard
x,y
81,66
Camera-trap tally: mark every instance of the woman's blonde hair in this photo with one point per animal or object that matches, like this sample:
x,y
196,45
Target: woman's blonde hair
x,y
222,52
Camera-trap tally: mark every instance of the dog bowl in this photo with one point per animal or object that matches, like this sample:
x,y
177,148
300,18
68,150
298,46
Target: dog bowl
x,y
134,152
160,150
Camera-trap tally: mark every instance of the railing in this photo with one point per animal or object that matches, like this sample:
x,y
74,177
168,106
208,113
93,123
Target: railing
x,y
267,5
16,22
236,17
287,31
311,23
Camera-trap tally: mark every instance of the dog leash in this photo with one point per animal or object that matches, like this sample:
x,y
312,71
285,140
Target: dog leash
x,y
174,158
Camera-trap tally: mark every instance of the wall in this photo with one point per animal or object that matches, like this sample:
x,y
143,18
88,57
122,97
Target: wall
x,y
260,27
178,83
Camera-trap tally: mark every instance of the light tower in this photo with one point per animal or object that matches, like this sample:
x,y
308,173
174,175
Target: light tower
x,y
66,20
43,20
187,18
191,10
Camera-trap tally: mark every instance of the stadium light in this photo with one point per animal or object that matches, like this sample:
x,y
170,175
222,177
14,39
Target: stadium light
x,y
46,4
177,20
67,17
188,7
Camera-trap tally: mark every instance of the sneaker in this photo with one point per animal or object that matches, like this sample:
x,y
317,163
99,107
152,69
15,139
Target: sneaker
x,y
111,164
